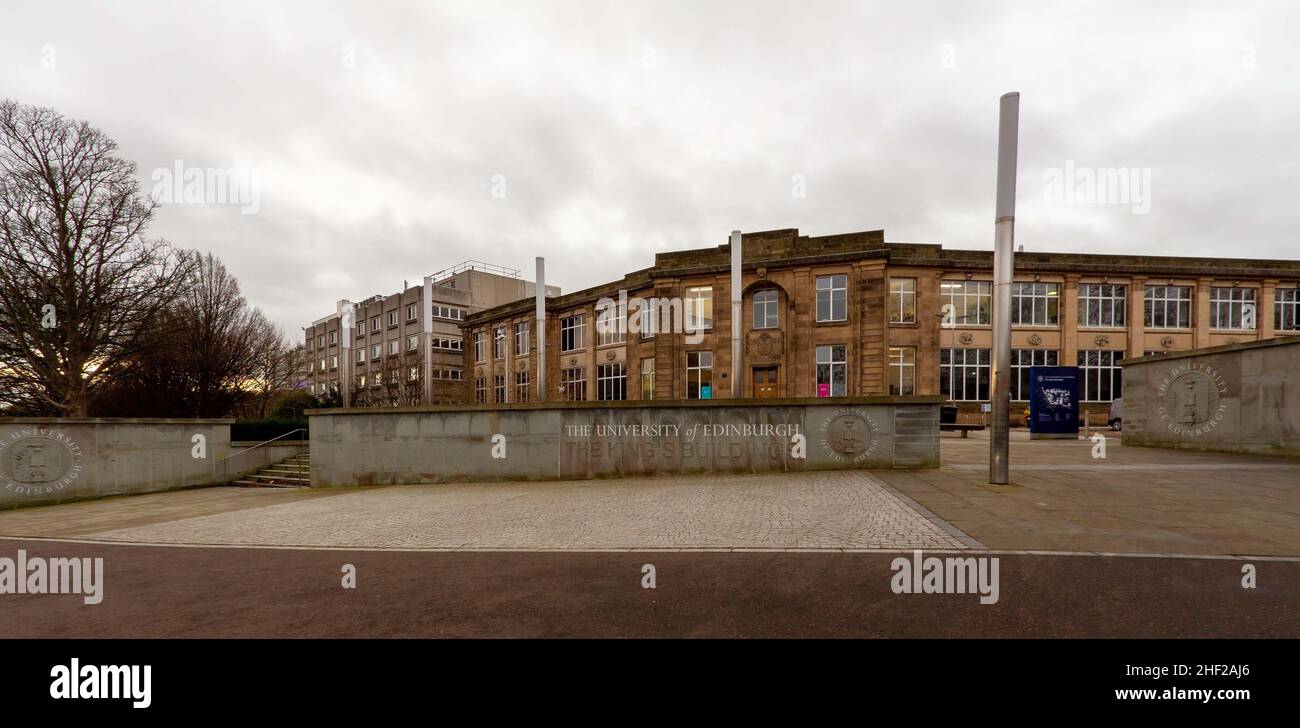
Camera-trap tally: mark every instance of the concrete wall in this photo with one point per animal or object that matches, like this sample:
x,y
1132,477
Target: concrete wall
x,y
50,460
1236,398
612,439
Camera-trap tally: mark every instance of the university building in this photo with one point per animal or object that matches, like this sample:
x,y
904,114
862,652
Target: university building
x,y
395,359
852,314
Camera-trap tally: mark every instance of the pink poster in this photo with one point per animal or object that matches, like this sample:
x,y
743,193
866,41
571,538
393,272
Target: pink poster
x,y
823,390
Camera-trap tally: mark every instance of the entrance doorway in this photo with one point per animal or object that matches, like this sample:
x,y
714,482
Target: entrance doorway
x,y
766,382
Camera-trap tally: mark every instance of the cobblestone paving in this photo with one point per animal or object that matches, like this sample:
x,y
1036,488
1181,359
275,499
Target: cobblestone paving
x,y
831,510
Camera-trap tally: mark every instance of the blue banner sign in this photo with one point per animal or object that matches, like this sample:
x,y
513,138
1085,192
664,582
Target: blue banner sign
x,y
1054,400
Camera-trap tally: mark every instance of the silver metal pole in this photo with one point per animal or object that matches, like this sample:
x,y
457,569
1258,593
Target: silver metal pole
x,y
735,313
1003,270
540,290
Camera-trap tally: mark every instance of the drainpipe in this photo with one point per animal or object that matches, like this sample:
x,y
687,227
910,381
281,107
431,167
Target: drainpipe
x,y
736,317
543,393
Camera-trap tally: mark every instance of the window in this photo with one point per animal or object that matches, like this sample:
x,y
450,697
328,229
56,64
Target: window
x,y
447,312
412,343
902,370
361,328
448,344
499,342
648,378
1167,307
392,318
412,312
480,390
1232,308
964,374
499,388
521,386
521,339
334,362
1100,379
361,354
1286,309
699,375
766,313
970,303
611,325
320,341
573,384
573,331
1035,304
832,371
1101,305
649,317
361,381
413,374
378,380
902,300
374,324
480,346
611,381
832,297
334,337
375,351
1021,360
699,308
393,347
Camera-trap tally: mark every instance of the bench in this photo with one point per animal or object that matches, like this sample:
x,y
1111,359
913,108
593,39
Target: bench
x,y
963,429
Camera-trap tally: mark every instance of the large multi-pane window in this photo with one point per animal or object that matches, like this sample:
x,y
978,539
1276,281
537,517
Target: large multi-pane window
x,y
902,300
966,303
376,350
964,374
499,387
833,297
611,325
1101,305
699,375
1232,308
573,330
412,312
334,337
766,309
480,390
374,324
394,346
1035,303
392,318
699,308
447,344
521,386
573,384
1021,360
902,370
521,338
1100,378
832,370
648,378
1167,307
480,346
412,343
1286,309
611,381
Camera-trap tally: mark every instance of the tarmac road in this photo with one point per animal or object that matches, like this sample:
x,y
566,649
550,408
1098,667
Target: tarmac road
x,y
170,591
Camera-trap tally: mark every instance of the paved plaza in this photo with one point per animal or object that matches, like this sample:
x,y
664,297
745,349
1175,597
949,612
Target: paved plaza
x,y
1135,500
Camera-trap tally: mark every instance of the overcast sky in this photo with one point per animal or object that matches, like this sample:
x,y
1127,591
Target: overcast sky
x,y
390,140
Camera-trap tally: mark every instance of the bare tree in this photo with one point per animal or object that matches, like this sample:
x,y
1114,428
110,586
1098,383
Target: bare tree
x,y
275,363
80,285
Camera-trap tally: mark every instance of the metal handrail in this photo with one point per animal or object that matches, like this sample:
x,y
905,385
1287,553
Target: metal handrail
x,y
273,439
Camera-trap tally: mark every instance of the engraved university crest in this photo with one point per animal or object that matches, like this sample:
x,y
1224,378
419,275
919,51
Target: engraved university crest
x,y
850,436
1191,399
38,461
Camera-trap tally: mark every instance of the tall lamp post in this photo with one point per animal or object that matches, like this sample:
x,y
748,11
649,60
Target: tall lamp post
x,y
1003,270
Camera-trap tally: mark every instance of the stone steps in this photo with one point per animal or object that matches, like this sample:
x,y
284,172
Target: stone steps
x,y
294,472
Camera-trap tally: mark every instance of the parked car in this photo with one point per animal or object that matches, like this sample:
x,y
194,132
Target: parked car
x,y
1116,417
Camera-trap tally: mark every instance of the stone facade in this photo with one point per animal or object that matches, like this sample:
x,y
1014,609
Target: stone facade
x,y
1084,309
